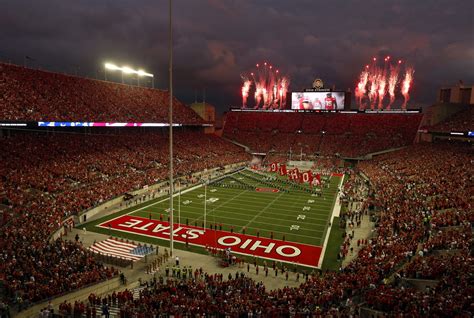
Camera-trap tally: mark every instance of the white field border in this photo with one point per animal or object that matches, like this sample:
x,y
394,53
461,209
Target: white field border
x,y
335,212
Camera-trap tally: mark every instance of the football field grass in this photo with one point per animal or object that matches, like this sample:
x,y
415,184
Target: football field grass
x,y
245,202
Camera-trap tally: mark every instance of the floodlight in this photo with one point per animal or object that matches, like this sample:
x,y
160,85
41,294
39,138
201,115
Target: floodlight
x,y
128,70
111,66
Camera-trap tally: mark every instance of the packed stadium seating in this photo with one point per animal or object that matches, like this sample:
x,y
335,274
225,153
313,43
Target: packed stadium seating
x,y
459,122
423,199
412,207
350,135
33,95
69,173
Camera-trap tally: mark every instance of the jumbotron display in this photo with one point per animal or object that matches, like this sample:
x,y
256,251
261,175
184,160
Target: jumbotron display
x,y
317,100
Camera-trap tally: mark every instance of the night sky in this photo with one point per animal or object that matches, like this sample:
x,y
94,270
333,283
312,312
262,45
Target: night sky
x,y
215,41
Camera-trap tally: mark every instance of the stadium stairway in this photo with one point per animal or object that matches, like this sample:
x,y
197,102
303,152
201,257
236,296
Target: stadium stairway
x,y
247,149
114,311
136,292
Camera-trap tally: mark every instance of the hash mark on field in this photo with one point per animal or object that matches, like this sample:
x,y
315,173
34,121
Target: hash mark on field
x,y
283,233
188,211
294,227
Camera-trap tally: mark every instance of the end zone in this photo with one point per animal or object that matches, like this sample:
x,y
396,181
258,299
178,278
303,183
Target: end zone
x,y
277,250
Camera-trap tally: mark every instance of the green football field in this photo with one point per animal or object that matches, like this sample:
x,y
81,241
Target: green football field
x,y
294,213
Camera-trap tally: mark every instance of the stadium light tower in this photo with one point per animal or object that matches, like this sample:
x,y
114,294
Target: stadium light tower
x,y
128,70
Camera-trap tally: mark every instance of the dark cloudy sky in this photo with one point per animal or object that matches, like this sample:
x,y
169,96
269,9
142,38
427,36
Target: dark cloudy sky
x,y
216,40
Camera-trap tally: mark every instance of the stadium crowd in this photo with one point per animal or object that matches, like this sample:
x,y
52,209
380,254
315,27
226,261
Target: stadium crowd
x,y
70,173
34,95
349,135
422,194
460,122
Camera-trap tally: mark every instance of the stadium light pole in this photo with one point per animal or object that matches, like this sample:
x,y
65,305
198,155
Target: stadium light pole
x,y
179,202
170,114
205,205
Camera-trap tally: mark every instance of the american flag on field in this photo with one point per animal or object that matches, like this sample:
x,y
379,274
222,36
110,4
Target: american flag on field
x,y
117,248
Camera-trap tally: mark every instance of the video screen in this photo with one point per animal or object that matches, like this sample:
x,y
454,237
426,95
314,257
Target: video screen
x,y
317,100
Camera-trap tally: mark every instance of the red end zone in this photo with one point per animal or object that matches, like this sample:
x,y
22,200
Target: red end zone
x,y
278,250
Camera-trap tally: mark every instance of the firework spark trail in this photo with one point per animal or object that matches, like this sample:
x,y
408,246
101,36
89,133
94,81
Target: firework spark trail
x,y
392,83
406,84
285,83
382,82
361,87
275,95
258,94
373,88
265,97
245,91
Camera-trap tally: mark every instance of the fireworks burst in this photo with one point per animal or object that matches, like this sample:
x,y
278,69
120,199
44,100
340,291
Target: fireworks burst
x,y
376,82
270,87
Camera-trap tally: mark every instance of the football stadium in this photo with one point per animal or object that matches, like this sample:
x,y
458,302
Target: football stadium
x,y
279,194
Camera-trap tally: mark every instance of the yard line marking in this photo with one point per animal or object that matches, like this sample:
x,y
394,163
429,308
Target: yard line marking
x,y
312,237
261,216
272,224
322,212
223,202
264,209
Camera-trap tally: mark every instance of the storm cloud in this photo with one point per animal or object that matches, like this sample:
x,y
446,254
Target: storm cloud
x,y
217,40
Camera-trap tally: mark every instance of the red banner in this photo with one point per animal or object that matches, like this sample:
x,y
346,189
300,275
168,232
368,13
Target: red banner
x,y
274,167
277,250
294,174
306,177
316,180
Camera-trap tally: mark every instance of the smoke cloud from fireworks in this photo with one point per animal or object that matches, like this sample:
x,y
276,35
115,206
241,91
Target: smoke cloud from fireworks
x,y
375,82
270,87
